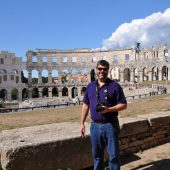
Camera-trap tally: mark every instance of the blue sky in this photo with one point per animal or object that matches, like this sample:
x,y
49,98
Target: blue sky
x,y
67,24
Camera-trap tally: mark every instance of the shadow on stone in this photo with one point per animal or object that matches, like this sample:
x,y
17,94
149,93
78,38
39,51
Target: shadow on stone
x,y
163,164
125,159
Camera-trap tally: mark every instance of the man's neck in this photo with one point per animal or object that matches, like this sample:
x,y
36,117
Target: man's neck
x,y
101,82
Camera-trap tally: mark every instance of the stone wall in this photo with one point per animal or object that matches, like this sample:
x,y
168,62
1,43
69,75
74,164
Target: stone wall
x,y
54,146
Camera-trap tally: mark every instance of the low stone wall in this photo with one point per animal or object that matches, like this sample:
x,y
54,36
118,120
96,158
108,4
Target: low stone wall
x,y
58,146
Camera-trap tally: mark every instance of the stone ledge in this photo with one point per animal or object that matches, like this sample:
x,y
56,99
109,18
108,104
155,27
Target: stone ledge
x,y
157,119
133,125
45,147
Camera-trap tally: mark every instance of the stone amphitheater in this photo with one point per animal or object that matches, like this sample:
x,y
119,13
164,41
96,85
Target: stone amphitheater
x,y
53,73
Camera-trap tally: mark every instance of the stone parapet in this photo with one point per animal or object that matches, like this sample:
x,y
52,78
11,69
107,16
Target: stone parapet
x,y
58,146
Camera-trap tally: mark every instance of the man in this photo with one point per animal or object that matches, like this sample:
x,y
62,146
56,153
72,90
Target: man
x,y
104,98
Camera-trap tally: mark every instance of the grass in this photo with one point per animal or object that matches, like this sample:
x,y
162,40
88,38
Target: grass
x,y
72,113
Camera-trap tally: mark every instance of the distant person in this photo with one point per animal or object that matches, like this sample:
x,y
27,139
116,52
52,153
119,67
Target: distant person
x,y
104,98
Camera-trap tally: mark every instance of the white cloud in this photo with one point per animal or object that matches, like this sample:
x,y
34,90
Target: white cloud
x,y
152,30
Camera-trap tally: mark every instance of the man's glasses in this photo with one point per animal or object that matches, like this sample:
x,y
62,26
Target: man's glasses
x,y
100,69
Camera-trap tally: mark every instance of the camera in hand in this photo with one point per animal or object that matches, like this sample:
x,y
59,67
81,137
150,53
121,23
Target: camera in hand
x,y
99,107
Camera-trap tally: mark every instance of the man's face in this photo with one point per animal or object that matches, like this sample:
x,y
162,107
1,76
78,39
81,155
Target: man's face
x,y
102,72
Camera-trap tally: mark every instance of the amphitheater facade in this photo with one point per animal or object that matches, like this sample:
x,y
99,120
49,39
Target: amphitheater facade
x,y
58,73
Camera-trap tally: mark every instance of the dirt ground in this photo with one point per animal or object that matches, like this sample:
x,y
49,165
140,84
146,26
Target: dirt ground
x,y
157,158
72,113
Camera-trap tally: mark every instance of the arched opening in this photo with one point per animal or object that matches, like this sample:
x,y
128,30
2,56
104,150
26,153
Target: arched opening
x,y
34,76
64,91
83,90
164,73
45,92
92,75
35,92
155,73
145,74
25,93
14,94
74,92
127,74
3,94
64,76
24,76
55,92
44,76
114,73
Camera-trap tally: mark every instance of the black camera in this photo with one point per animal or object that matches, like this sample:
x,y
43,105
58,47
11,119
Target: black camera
x,y
99,107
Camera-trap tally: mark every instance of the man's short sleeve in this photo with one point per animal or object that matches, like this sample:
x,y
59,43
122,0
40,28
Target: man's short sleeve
x,y
86,98
120,95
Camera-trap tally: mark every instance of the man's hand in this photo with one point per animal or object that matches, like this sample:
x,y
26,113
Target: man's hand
x,y
105,109
82,130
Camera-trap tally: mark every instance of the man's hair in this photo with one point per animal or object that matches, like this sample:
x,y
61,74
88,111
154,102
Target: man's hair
x,y
103,63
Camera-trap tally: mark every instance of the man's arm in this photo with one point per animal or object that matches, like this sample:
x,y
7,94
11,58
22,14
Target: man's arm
x,y
116,108
84,113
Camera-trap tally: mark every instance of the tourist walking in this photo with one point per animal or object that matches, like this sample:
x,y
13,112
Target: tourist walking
x,y
104,98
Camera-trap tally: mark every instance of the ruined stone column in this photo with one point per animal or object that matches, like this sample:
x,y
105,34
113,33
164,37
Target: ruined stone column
x,y
168,73
140,76
69,92
39,77
40,92
122,80
59,91
79,91
160,74
30,93
20,94
49,91
132,75
49,76
9,94
150,75
29,77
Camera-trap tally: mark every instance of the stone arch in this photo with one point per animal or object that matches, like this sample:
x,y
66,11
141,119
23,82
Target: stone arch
x,y
115,73
164,72
92,75
44,76
14,71
54,75
14,94
3,94
64,76
54,59
25,94
64,91
145,74
155,73
55,92
24,76
136,74
44,59
45,92
74,59
34,59
127,74
4,74
34,76
74,92
35,92
83,90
